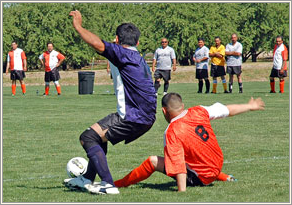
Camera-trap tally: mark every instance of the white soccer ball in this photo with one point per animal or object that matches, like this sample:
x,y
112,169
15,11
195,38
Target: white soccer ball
x,y
76,166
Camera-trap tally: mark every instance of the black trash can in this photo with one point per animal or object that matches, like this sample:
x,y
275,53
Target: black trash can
x,y
86,82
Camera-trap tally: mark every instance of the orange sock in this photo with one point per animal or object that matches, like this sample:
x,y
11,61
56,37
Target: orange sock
x,y
272,84
58,89
47,88
23,88
222,177
136,175
13,87
282,83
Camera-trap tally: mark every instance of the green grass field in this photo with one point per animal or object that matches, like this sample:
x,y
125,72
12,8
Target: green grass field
x,y
40,134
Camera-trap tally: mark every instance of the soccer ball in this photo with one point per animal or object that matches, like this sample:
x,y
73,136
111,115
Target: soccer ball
x,y
76,166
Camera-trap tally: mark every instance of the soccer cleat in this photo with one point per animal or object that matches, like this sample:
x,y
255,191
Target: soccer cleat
x,y
207,92
77,183
199,91
225,91
272,91
231,178
45,95
213,92
102,188
12,95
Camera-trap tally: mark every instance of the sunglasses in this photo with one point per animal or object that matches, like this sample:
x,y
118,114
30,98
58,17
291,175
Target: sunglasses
x,y
163,41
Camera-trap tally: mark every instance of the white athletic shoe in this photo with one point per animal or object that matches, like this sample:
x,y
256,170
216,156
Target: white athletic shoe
x,y
78,182
102,188
164,93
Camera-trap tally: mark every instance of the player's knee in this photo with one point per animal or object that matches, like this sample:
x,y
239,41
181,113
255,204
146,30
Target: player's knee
x,y
47,84
153,160
89,138
56,83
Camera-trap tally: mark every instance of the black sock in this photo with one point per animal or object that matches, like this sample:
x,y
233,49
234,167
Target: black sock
x,y
230,87
207,82
166,85
240,87
156,85
200,86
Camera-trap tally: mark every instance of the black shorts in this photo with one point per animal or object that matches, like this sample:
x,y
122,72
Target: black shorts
x,y
234,70
120,129
217,70
201,73
17,75
52,75
276,73
165,74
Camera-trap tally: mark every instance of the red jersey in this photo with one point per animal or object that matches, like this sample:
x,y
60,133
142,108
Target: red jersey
x,y
190,142
15,58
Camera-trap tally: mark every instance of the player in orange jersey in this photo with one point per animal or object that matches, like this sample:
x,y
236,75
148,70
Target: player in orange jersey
x,y
279,70
53,60
16,61
191,152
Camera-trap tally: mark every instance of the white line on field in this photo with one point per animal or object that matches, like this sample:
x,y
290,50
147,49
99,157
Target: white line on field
x,y
127,170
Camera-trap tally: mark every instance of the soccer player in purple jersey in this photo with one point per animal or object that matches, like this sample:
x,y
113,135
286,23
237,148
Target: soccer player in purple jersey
x,y
138,97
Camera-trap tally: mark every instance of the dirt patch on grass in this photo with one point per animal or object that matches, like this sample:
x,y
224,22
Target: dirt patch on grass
x,y
258,71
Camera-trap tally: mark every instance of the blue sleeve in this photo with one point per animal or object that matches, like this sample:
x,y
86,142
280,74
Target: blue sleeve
x,y
113,53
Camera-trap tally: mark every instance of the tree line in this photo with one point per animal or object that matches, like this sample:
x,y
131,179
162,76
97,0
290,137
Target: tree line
x,y
32,25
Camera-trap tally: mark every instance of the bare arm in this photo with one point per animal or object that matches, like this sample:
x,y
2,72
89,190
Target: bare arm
x,y
90,38
181,180
24,65
252,105
203,59
174,64
153,65
108,67
7,67
232,53
42,62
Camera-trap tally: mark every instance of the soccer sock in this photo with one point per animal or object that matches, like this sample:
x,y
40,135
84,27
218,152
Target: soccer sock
x,y
240,87
136,175
214,86
58,88
23,88
272,84
230,87
98,158
282,83
224,84
90,172
222,177
207,82
156,85
200,85
13,87
166,85
47,88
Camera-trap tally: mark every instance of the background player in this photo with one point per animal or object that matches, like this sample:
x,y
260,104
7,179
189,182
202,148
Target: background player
x,y
279,69
138,97
191,152
16,61
217,54
164,57
233,52
201,58
53,60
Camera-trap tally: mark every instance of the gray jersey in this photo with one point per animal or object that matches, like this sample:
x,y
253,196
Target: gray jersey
x,y
164,58
199,54
234,60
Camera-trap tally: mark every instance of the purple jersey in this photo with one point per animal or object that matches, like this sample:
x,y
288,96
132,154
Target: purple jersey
x,y
139,93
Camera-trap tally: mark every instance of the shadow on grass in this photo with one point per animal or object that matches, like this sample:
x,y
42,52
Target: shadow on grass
x,y
168,186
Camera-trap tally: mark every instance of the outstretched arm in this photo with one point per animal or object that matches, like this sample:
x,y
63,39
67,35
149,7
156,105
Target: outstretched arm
x,y
90,38
252,105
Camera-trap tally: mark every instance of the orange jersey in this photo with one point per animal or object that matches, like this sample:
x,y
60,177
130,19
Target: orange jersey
x,y
51,59
190,142
15,58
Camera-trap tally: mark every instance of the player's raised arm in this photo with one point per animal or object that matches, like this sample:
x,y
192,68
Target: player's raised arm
x,y
90,38
252,105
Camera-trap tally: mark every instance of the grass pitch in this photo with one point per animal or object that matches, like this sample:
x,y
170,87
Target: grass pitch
x,y
40,134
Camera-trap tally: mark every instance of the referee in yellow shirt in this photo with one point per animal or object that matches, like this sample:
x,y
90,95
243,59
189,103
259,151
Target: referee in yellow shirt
x,y
217,54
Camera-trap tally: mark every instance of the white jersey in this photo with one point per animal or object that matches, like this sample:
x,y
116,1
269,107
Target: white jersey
x,y
164,58
15,58
119,90
280,54
234,60
199,54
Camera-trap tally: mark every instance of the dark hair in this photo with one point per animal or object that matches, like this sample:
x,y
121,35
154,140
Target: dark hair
x,y
128,34
201,39
280,37
50,43
14,42
170,96
217,37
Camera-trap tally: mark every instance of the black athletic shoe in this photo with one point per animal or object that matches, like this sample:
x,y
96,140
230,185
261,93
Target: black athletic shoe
x,y
199,91
226,91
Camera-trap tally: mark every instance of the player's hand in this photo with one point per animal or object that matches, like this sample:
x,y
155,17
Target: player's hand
x,y
281,72
256,104
25,69
77,19
153,69
174,68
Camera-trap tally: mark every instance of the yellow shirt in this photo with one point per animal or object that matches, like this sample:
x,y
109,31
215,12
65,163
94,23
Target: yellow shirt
x,y
217,60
